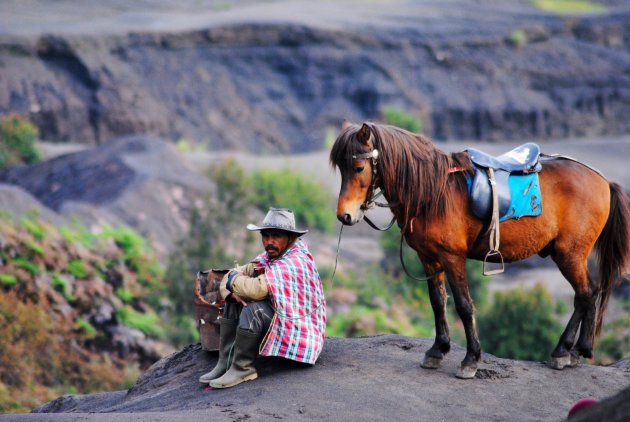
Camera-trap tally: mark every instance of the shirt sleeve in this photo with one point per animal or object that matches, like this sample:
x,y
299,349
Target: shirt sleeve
x,y
250,288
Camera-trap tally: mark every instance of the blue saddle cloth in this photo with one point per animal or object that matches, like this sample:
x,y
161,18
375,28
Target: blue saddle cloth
x,y
519,195
525,199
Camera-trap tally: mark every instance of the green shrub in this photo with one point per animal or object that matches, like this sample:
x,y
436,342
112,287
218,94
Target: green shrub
x,y
61,285
568,6
87,328
520,324
614,343
77,233
518,38
398,117
310,202
34,226
147,322
8,279
124,294
17,141
136,254
77,268
29,266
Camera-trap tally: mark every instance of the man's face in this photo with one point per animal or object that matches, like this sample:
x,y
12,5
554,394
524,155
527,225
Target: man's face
x,y
275,242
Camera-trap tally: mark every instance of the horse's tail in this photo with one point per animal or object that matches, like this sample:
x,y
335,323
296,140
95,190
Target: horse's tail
x,y
613,249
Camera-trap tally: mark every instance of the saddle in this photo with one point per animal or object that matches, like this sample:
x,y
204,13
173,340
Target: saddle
x,y
519,161
490,193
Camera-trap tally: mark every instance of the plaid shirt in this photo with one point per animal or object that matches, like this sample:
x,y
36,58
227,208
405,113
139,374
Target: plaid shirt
x,y
295,288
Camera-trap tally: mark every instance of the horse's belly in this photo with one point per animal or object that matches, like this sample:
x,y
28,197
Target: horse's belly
x,y
519,239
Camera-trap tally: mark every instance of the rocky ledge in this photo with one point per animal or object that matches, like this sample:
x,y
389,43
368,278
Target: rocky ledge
x,y
369,378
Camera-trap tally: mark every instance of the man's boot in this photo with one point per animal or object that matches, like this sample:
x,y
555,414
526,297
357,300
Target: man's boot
x,y
245,351
227,334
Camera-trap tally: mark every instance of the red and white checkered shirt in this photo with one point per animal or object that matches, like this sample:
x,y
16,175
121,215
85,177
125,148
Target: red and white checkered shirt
x,y
298,327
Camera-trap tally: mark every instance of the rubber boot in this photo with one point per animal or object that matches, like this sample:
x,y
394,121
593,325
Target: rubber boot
x,y
245,351
227,334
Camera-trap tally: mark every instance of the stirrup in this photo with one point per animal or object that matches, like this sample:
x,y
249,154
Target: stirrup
x,y
499,270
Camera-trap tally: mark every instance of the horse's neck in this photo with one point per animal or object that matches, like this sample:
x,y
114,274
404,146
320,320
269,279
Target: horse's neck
x,y
432,201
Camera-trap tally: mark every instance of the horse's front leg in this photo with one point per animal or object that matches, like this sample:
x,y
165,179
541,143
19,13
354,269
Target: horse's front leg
x,y
456,273
442,345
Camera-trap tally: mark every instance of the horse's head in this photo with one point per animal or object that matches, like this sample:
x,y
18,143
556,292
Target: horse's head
x,y
355,156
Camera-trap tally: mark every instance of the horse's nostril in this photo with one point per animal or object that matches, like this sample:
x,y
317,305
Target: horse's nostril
x,y
345,218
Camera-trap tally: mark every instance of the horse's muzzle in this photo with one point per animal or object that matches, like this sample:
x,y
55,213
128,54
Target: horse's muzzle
x,y
346,219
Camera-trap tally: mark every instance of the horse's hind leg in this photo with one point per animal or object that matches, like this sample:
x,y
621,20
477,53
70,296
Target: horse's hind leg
x,y
574,269
442,345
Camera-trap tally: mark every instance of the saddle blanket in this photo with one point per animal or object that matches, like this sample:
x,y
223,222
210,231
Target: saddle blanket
x,y
525,196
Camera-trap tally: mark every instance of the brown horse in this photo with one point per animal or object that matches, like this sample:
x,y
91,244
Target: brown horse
x,y
427,192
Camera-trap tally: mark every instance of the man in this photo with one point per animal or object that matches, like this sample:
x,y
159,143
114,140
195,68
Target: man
x,y
275,305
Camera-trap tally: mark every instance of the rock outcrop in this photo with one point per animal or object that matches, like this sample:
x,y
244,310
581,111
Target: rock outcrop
x,y
274,76
369,378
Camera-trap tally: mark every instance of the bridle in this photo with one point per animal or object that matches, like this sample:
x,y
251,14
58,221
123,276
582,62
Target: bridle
x,y
370,201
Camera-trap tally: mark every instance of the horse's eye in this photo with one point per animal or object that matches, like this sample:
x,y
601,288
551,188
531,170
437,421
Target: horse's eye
x,y
358,169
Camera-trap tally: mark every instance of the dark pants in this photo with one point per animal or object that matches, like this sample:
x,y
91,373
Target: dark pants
x,y
255,317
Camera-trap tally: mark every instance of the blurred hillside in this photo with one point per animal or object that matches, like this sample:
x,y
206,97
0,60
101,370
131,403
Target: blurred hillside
x,y
275,75
78,311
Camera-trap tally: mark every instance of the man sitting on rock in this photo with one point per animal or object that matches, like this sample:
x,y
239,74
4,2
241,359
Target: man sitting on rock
x,y
275,305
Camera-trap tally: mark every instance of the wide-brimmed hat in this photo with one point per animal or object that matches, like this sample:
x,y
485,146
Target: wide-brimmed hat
x,y
279,219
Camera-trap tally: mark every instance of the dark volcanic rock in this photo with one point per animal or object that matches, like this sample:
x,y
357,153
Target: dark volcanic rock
x,y
273,77
370,378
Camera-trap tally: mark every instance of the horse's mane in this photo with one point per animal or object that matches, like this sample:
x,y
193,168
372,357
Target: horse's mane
x,y
413,172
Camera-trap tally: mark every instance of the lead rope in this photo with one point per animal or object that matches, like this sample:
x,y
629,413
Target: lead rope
x,y
330,286
332,278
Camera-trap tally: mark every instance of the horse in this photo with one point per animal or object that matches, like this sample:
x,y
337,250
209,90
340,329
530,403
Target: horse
x,y
426,190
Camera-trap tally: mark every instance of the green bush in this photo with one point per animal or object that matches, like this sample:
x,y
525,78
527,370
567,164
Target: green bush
x,y
310,202
34,226
398,117
520,324
568,6
124,294
614,343
29,266
518,38
17,141
87,328
137,254
77,268
8,279
61,285
147,322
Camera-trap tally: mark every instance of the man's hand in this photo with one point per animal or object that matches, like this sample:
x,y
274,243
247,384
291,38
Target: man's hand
x,y
238,299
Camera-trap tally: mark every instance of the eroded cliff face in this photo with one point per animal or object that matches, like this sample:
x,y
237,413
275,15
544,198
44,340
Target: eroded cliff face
x,y
468,70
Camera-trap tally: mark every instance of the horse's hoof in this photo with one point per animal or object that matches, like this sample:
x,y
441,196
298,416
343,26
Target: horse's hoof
x,y
466,372
431,363
562,362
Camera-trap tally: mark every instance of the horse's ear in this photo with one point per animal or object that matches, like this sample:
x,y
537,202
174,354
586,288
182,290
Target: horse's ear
x,y
364,134
345,124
